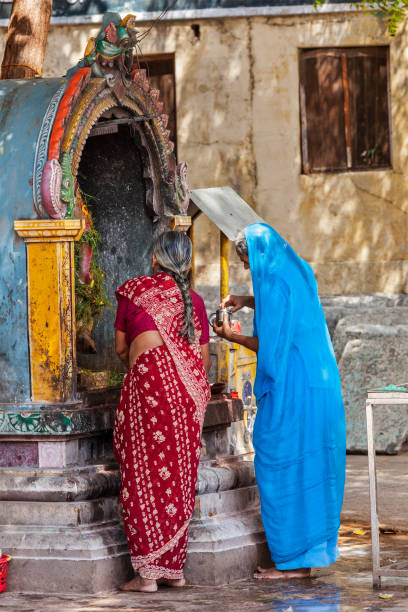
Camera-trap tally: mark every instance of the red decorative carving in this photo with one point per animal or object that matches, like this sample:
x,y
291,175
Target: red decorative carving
x,y
139,76
74,88
85,258
110,34
50,189
154,94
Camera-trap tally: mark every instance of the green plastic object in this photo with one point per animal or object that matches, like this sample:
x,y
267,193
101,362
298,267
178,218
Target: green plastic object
x,y
393,388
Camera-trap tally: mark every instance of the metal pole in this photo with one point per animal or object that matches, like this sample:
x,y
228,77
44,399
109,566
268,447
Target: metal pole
x,y
192,276
375,527
224,265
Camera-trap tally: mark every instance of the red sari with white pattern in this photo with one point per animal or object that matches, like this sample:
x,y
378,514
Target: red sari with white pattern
x,y
157,433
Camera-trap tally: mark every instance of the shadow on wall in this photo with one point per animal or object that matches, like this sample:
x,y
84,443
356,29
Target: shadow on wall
x,y
354,224
214,76
214,100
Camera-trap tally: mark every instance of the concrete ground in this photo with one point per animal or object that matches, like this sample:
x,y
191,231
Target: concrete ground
x,y
345,586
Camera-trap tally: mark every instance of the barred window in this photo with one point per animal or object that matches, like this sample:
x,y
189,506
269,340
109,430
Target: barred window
x,y
344,109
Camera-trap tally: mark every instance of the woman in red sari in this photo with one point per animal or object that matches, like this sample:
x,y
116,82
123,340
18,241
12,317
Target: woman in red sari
x,y
162,336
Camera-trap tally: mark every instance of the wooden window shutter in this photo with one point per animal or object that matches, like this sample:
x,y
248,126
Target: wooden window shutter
x,y
369,116
344,109
322,111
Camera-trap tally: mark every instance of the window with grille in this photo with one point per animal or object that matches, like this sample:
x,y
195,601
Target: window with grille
x,y
344,109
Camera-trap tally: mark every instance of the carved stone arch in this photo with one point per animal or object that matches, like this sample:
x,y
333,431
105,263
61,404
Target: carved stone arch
x,y
80,103
58,177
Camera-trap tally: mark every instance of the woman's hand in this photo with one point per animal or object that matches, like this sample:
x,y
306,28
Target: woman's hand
x,y
236,302
224,330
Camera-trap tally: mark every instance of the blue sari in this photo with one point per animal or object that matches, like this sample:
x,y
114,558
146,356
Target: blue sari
x,y
299,432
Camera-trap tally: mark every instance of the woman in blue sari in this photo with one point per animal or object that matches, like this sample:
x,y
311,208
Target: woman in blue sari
x,y
299,432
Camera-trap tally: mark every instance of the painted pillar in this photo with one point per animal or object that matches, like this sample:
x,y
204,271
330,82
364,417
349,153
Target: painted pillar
x,y
224,265
51,305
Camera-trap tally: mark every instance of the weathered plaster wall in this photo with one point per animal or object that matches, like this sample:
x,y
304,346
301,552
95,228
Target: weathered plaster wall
x,y
238,125
351,226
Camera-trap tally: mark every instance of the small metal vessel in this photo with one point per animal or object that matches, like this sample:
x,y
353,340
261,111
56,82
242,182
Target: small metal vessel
x,y
218,316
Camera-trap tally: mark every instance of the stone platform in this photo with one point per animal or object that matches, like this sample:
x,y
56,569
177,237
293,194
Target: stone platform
x,y
345,585
60,515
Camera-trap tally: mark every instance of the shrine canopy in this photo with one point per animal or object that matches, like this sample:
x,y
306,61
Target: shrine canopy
x,y
224,207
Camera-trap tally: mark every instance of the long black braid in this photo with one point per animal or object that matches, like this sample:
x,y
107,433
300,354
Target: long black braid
x,y
173,251
183,283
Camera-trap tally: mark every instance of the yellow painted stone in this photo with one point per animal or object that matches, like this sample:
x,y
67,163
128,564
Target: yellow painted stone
x,y
51,305
224,265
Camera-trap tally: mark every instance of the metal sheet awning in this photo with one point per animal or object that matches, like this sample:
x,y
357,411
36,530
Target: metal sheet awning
x,y
224,207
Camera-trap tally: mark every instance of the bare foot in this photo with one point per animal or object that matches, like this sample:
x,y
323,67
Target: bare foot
x,y
262,570
145,585
275,574
176,583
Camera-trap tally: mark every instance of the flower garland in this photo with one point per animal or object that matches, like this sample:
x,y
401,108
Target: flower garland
x,y
90,292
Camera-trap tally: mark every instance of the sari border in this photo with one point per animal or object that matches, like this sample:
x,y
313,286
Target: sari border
x,y
143,560
155,572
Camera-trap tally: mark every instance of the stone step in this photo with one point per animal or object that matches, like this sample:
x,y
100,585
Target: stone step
x,y
64,514
226,502
59,485
47,542
225,548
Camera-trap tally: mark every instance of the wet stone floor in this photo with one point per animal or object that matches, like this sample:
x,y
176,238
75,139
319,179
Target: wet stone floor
x,y
346,586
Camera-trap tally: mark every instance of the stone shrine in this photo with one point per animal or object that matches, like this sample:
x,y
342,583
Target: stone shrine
x,y
87,152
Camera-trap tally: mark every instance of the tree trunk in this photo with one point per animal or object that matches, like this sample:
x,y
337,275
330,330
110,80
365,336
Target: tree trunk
x,y
26,39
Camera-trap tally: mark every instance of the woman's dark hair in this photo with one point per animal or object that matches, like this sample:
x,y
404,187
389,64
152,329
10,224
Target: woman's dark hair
x,y
173,251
